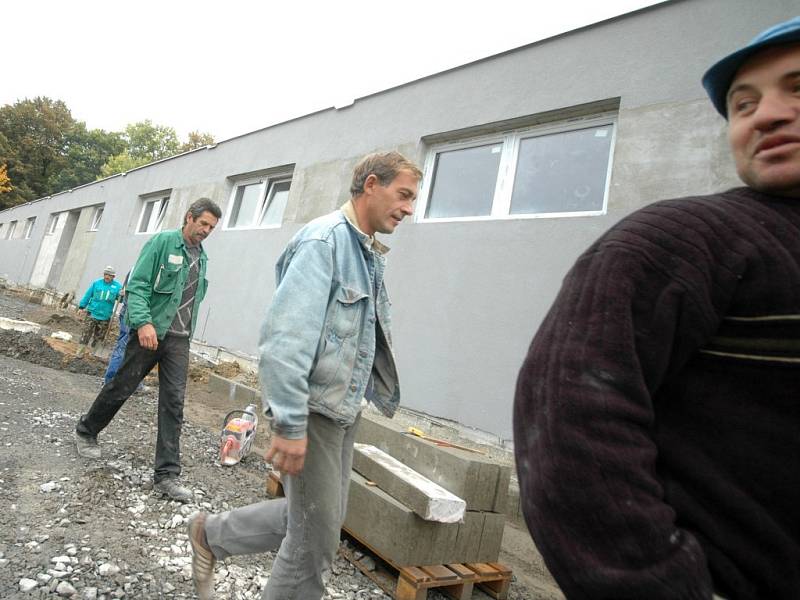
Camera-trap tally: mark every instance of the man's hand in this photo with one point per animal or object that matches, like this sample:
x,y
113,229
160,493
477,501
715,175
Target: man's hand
x,y
147,337
288,456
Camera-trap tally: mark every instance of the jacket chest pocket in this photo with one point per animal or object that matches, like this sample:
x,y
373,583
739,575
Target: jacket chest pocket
x,y
166,279
347,311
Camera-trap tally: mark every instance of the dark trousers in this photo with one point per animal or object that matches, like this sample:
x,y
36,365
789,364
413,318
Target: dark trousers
x,y
93,331
172,358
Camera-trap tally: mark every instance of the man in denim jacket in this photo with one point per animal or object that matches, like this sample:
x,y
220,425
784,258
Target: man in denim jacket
x,y
325,345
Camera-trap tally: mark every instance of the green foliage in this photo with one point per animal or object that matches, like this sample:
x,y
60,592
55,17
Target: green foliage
x,y
87,152
44,150
34,146
119,163
197,139
147,142
153,142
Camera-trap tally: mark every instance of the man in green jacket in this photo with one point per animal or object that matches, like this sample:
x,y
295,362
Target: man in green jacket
x,y
164,291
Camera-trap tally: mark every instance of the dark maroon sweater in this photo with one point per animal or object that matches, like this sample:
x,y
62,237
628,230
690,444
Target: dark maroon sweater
x,y
657,413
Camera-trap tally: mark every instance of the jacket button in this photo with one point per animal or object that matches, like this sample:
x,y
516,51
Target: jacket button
x,y
362,353
353,388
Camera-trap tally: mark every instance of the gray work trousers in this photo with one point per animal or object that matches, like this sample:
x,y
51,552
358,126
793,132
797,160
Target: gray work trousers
x,y
305,524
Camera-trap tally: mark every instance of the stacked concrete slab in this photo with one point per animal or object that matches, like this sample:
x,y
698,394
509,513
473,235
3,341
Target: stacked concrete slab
x,y
404,538
427,499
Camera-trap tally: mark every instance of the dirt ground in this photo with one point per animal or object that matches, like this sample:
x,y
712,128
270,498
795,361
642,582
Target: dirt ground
x,y
74,528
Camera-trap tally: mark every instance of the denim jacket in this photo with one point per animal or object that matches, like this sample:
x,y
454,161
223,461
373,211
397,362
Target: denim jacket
x,y
326,342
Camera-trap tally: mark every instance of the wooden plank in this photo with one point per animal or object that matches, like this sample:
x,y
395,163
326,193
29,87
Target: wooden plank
x,y
408,591
440,573
274,485
384,579
415,575
455,580
496,589
482,569
501,569
459,591
462,571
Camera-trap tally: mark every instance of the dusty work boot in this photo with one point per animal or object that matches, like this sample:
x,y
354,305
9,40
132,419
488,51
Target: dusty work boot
x,y
87,446
173,490
203,558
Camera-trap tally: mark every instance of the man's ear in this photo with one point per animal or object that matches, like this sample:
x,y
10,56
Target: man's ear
x,y
370,183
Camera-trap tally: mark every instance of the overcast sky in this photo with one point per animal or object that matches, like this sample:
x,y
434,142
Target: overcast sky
x,y
230,66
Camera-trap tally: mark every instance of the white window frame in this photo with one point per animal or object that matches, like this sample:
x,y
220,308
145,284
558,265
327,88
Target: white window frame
x,y
266,183
30,222
12,227
97,217
504,186
52,224
163,204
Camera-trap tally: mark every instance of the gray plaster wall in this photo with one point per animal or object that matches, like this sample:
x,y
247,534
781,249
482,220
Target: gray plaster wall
x,y
467,296
75,262
48,251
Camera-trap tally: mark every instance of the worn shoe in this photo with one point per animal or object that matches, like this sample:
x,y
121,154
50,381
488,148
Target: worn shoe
x,y
202,558
87,446
173,490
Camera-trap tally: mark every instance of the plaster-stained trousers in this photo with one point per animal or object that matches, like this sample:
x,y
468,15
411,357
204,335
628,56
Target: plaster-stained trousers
x,y
305,524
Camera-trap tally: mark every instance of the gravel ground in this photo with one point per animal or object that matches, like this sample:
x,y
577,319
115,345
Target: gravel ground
x,y
81,529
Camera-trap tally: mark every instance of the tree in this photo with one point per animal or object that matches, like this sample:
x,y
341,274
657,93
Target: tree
x,y
120,163
197,139
47,151
145,143
88,150
154,142
33,146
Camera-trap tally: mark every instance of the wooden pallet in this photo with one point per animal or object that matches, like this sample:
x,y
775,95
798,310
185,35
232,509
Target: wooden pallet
x,y
274,485
412,583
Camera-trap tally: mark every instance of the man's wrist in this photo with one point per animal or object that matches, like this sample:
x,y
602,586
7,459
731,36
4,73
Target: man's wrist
x,y
289,433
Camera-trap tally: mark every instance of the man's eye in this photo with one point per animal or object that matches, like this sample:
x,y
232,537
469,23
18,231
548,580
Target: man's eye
x,y
744,105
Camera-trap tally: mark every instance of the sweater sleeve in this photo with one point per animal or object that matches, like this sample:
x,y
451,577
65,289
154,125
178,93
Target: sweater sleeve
x,y
626,316
87,296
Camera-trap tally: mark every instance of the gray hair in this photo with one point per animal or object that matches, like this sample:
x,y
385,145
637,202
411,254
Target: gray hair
x,y
385,166
200,206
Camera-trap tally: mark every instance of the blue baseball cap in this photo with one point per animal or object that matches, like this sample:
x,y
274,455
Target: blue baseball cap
x,y
719,77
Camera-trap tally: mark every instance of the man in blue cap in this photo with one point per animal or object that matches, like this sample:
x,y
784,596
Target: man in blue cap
x,y
656,418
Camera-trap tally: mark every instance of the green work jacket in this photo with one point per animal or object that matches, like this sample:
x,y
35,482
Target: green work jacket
x,y
156,283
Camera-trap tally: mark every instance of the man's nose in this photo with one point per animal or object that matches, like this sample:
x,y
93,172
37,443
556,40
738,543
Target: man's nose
x,y
775,109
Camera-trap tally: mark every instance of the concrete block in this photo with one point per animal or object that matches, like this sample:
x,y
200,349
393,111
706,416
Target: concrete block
x,y
397,534
236,392
468,539
482,483
501,496
19,325
491,537
427,499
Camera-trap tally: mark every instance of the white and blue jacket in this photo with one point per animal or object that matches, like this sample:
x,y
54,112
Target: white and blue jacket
x,y
326,342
